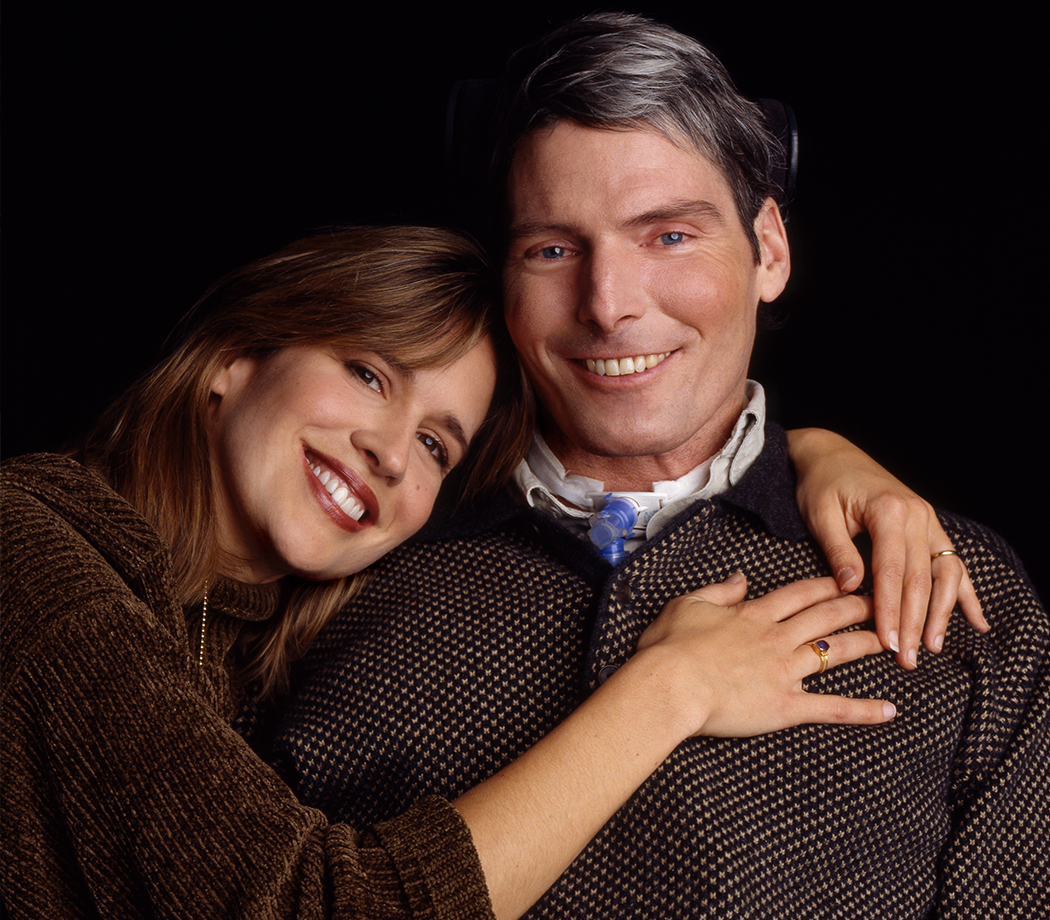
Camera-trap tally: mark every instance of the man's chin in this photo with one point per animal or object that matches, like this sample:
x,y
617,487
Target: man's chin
x,y
599,450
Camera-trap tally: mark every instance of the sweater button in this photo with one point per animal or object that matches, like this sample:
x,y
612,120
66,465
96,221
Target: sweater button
x,y
605,673
622,592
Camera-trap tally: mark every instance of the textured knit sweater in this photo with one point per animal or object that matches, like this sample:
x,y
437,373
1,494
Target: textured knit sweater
x,y
125,791
468,648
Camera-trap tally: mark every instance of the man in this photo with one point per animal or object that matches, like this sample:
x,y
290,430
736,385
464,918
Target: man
x,y
641,238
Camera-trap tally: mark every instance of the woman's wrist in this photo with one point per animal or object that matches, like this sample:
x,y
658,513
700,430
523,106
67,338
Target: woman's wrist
x,y
665,690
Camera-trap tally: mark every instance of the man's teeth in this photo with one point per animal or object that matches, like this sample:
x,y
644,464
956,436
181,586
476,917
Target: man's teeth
x,y
341,495
620,367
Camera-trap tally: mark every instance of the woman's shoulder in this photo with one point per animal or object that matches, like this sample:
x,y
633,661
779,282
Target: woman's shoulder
x,y
70,545
54,490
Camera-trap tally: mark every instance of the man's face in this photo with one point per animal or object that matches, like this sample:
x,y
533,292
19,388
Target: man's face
x,y
623,245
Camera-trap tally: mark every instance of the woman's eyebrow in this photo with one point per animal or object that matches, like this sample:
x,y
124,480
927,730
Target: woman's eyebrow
x,y
452,424
447,420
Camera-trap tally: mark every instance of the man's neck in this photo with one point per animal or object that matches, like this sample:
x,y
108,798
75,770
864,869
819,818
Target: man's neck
x,y
637,474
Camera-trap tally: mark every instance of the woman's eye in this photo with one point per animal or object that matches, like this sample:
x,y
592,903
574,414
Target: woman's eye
x,y
368,377
436,448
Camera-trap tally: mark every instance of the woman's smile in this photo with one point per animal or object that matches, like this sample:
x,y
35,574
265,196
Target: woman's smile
x,y
342,493
372,439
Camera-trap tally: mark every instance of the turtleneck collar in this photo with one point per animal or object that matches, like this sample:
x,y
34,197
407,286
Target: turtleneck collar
x,y
244,602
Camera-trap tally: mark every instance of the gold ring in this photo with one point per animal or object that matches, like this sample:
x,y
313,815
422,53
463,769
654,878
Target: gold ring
x,y
821,648
943,552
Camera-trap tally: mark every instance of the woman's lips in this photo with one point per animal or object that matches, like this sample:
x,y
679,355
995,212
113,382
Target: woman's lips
x,y
341,492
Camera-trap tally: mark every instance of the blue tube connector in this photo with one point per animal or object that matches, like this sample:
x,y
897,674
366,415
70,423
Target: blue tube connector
x,y
612,525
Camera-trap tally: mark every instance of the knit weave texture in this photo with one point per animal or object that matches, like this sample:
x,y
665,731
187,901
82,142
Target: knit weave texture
x,y
467,649
126,794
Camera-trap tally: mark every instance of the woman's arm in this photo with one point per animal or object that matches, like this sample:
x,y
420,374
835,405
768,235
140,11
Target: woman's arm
x,y
710,664
841,492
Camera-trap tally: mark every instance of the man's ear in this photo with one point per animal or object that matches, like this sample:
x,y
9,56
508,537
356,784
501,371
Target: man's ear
x,y
774,252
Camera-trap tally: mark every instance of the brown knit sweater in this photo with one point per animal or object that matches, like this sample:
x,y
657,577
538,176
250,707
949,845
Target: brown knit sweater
x,y
125,792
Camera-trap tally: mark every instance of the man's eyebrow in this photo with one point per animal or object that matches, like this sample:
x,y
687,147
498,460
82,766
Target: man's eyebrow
x,y
537,228
673,210
678,210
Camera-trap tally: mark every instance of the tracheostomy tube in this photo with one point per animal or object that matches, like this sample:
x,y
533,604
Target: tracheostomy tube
x,y
613,524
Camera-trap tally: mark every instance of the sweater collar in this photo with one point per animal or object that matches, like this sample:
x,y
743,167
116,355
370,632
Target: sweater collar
x,y
244,602
767,490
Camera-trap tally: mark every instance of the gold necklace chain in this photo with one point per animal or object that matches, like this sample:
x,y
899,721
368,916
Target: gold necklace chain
x,y
204,625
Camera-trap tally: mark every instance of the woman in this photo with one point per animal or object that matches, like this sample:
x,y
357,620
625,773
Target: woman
x,y
220,513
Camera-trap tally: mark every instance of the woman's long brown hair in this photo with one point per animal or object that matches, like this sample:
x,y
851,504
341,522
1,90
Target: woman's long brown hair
x,y
422,296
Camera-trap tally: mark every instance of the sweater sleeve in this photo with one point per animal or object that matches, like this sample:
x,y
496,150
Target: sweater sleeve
x,y
126,794
996,861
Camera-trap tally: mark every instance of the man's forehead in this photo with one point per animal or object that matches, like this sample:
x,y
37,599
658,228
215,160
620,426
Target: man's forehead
x,y
543,132
625,159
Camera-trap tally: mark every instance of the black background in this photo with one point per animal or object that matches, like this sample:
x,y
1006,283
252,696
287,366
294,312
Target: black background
x,y
150,150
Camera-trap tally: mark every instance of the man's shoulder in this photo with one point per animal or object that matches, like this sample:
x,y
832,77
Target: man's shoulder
x,y
469,519
997,572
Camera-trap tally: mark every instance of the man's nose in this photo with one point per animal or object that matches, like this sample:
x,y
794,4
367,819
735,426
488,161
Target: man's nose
x,y
612,293
386,449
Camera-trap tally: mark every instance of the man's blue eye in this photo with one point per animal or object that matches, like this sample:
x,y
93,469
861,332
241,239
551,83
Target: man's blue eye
x,y
552,252
675,236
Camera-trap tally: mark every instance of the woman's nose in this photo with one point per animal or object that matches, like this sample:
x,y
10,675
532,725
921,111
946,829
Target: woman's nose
x,y
386,449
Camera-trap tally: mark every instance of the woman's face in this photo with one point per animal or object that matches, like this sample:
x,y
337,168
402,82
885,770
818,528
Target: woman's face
x,y
325,458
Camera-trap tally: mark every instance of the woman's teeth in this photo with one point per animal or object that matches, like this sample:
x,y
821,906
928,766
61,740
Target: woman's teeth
x,y
620,367
341,495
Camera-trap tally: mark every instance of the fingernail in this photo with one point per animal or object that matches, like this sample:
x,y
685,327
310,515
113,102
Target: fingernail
x,y
889,710
845,576
938,643
912,658
894,641
735,578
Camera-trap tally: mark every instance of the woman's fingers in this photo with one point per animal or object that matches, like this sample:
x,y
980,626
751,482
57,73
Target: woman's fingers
x,y
951,585
825,708
828,616
790,600
928,586
726,593
841,648
948,575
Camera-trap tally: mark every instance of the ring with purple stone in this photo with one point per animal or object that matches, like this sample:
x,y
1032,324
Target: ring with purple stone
x,y
821,648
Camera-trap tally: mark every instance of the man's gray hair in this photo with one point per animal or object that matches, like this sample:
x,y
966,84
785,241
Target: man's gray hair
x,y
621,71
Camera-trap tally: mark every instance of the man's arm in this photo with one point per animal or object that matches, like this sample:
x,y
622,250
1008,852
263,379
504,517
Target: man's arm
x,y
996,862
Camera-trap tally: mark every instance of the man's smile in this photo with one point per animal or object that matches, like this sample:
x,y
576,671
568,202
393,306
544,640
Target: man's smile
x,y
621,367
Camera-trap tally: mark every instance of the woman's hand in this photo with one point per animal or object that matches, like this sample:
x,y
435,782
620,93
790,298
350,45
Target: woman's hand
x,y
841,492
710,664
740,664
